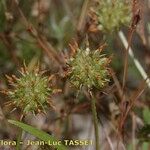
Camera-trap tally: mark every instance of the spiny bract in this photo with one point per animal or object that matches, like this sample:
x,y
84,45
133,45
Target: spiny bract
x,y
30,92
88,68
113,14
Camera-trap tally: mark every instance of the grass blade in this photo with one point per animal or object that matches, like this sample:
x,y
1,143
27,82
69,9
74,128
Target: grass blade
x,y
38,133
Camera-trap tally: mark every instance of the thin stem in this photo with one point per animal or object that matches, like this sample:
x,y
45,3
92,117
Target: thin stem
x,y
135,60
95,119
133,132
41,40
83,15
18,146
126,59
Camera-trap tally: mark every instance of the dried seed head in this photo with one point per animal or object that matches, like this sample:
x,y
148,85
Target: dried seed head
x,y
88,68
30,91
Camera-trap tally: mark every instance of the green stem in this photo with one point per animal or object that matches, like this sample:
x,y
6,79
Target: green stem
x,y
18,146
95,119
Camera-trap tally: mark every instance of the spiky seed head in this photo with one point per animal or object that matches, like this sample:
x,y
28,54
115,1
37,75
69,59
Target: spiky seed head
x,y
88,68
30,92
111,15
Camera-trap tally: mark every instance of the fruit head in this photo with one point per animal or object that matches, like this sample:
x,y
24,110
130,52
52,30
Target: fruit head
x,y
113,14
30,91
89,69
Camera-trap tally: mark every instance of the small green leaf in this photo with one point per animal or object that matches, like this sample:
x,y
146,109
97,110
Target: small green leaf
x,y
38,133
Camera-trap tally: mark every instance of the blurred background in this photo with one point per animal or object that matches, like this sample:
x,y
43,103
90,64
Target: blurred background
x,y
39,31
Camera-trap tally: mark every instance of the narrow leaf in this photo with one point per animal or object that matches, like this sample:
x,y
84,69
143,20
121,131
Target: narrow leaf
x,y
38,133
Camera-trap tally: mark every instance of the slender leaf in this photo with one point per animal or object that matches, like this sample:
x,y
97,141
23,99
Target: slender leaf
x,y
38,133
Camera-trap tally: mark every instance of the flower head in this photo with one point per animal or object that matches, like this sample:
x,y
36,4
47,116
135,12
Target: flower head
x,y
88,68
30,91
